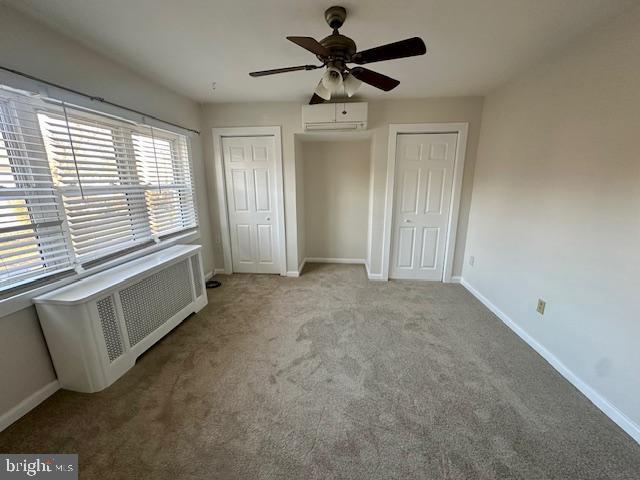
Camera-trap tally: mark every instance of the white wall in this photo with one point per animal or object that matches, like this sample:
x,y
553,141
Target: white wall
x,y
300,205
336,195
556,209
287,115
31,47
25,365
428,110
381,114
35,49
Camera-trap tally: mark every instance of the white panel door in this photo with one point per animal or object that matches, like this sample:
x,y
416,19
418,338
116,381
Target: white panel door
x,y
249,166
423,187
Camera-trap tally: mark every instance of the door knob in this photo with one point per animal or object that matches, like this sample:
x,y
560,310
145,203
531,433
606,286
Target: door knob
x,y
268,219
406,220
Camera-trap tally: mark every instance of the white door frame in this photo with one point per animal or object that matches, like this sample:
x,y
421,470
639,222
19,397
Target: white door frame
x,y
218,134
396,129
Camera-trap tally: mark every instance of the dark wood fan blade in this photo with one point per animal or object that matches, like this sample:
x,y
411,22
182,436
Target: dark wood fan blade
x,y
262,73
404,48
375,79
310,44
316,99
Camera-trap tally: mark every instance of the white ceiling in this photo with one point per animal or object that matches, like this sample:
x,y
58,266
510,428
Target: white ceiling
x,y
473,45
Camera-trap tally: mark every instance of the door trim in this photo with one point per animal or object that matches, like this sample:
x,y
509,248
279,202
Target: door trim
x,y
221,194
396,129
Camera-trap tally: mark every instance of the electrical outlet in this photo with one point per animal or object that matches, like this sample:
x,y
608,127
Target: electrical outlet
x,y
472,260
541,305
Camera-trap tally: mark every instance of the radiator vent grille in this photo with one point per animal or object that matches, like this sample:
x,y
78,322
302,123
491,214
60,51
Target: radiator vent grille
x,y
197,276
110,330
154,300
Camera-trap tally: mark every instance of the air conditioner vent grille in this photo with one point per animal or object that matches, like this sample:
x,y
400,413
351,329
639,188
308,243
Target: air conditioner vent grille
x,y
197,275
110,330
151,302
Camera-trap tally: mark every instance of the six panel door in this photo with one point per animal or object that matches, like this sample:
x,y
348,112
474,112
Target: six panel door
x,y
249,166
423,185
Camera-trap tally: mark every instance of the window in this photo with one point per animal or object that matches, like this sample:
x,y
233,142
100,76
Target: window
x,y
32,240
77,187
169,195
95,172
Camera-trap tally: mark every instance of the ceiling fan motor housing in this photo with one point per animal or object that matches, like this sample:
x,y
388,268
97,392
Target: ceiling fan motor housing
x,y
342,49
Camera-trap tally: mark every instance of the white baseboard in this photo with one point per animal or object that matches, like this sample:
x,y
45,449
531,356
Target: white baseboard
x,y
353,261
377,277
294,273
207,276
374,277
596,398
456,279
28,404
217,271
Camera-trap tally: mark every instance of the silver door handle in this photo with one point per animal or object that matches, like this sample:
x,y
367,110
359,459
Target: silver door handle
x,y
406,220
268,219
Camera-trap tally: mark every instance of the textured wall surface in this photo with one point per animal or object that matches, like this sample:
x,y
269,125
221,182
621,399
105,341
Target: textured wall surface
x,y
381,113
336,183
54,57
555,208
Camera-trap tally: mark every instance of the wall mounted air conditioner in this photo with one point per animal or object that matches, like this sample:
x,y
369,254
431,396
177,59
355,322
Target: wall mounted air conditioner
x,y
334,116
96,328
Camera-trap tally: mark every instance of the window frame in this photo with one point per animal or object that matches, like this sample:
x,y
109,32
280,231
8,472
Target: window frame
x,y
24,298
78,116
15,148
176,147
80,269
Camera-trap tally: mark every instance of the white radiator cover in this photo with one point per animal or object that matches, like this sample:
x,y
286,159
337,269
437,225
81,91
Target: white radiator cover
x,y
97,327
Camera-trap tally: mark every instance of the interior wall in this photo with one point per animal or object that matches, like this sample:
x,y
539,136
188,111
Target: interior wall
x,y
26,366
300,203
24,358
381,113
555,211
59,59
428,110
336,195
370,219
287,115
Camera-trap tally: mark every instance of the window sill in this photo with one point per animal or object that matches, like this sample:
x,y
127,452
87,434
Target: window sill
x,y
25,299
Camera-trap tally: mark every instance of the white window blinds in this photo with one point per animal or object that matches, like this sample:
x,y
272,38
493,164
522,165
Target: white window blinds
x,y
33,243
79,186
94,167
164,170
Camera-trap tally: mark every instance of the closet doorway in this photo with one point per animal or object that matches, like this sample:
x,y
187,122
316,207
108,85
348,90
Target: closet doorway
x,y
250,199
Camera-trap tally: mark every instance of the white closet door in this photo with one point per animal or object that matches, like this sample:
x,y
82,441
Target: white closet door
x,y
249,165
423,187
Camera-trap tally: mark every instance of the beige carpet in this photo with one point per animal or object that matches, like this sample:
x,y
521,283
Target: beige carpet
x,y
330,376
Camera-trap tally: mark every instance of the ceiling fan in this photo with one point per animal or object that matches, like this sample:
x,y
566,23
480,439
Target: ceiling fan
x,y
336,51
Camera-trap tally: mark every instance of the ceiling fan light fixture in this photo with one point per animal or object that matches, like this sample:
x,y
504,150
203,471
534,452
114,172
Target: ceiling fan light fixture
x,y
337,50
351,85
332,79
322,91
